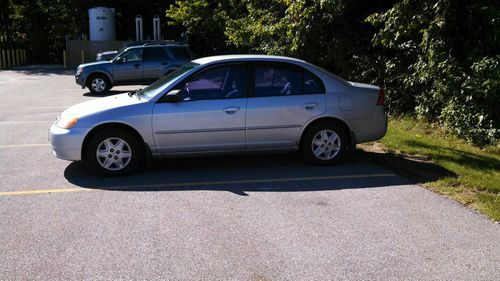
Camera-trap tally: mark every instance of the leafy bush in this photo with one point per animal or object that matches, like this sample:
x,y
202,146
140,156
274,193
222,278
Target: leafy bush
x,y
440,61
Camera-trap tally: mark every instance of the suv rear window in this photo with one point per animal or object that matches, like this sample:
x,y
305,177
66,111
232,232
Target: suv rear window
x,y
180,53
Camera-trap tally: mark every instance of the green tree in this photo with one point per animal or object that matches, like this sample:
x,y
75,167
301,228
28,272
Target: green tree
x,y
440,59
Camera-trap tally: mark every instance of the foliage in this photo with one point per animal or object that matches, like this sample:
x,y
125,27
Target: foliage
x,y
329,33
440,60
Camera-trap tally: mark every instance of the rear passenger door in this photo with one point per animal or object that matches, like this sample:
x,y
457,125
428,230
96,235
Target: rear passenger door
x,y
155,61
283,99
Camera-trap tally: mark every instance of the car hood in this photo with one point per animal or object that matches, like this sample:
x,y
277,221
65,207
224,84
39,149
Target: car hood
x,y
108,53
101,104
93,63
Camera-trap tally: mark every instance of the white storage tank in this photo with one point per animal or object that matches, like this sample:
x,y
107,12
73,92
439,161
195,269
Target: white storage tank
x,y
102,24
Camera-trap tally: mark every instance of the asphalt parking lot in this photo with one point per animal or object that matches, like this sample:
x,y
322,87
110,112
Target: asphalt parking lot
x,y
262,217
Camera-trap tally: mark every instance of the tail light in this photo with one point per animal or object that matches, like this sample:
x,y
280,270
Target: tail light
x,y
381,98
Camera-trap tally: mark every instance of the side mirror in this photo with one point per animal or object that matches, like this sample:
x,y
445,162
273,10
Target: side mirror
x,y
119,60
173,96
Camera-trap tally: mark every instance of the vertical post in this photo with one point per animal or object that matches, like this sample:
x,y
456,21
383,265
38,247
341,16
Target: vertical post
x,y
18,57
138,28
83,56
8,58
4,59
65,62
25,58
1,59
13,57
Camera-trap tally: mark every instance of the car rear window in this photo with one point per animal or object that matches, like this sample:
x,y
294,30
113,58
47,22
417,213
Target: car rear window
x,y
180,53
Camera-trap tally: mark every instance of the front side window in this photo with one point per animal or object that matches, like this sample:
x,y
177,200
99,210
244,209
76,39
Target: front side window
x,y
132,55
222,82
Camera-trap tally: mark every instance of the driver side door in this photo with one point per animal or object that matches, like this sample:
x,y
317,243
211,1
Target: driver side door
x,y
128,69
210,116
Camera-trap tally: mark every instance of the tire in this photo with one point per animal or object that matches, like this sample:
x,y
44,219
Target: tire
x,y
114,152
98,84
324,144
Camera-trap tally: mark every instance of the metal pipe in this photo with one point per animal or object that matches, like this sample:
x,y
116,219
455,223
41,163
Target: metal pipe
x,y
138,28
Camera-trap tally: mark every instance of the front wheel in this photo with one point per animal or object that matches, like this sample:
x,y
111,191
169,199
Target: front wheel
x,y
99,84
114,152
324,144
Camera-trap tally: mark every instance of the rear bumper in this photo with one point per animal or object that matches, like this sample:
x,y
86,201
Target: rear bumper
x,y
370,129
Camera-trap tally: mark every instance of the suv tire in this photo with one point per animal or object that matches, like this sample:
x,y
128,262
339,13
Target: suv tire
x,y
98,84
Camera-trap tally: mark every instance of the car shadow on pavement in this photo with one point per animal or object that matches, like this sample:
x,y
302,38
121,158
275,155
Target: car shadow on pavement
x,y
241,174
109,93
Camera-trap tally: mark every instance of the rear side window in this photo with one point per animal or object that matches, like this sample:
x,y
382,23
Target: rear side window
x,y
280,79
154,54
312,84
180,53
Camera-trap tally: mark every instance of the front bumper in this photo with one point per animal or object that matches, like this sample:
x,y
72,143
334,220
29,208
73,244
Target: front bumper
x,y
80,80
67,143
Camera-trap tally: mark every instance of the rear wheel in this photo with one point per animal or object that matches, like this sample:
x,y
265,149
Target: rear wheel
x,y
98,84
324,144
114,152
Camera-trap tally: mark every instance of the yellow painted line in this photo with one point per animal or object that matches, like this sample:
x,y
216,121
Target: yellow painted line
x,y
24,145
186,184
42,191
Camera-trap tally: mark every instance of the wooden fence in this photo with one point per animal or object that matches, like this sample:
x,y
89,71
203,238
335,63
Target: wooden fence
x,y
12,57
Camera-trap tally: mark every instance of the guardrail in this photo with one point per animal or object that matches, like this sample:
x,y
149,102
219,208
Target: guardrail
x,y
12,57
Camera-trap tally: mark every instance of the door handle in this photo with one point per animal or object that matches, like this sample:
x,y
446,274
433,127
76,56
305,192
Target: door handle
x,y
231,110
311,105
137,65
164,63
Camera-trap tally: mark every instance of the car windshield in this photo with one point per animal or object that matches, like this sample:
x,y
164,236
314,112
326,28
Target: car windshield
x,y
164,81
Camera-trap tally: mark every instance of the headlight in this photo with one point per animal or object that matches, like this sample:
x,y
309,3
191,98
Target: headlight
x,y
79,70
66,122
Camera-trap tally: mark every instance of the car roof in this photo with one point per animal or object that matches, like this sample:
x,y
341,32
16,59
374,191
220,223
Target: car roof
x,y
158,45
246,57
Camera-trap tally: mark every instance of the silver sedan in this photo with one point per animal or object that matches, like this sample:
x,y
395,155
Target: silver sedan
x,y
224,104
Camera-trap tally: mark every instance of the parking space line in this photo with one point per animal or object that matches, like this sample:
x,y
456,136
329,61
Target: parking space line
x,y
42,191
203,183
24,145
